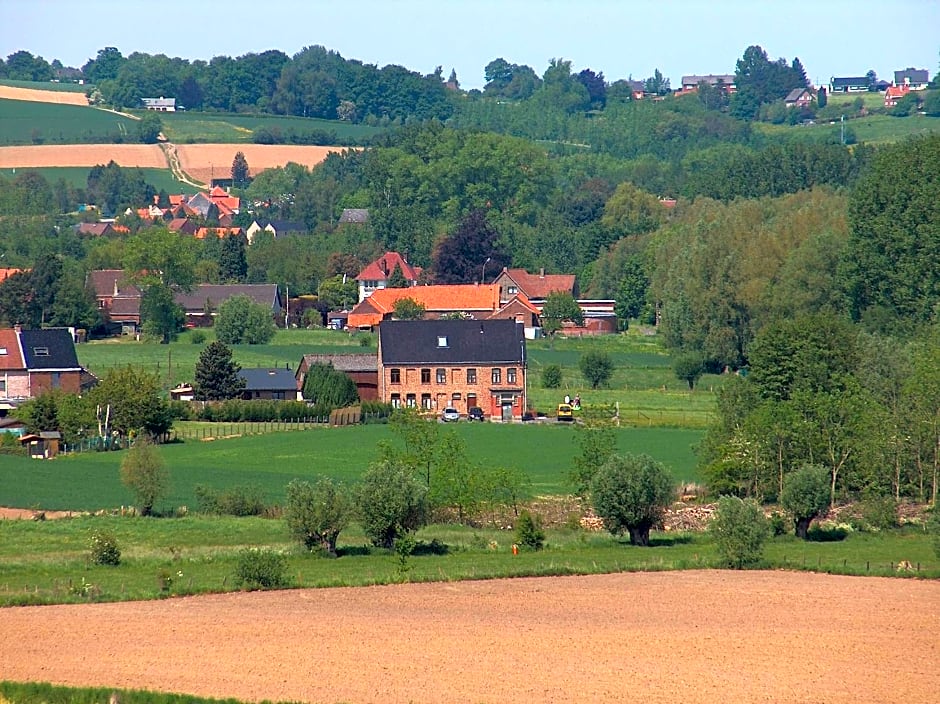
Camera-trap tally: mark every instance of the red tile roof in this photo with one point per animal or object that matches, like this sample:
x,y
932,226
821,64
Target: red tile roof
x,y
382,268
540,285
13,357
7,273
219,232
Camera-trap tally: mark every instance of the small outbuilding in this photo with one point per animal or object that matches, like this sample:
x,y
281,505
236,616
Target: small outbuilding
x,y
43,445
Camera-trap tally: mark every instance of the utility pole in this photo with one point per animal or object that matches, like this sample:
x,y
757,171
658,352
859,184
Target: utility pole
x,y
843,130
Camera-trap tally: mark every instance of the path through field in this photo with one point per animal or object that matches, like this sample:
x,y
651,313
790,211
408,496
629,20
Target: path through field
x,y
691,637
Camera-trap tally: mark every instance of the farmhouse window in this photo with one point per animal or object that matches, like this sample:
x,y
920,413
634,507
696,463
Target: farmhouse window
x,y
3,385
278,395
441,376
411,401
396,400
395,376
511,375
497,375
471,376
512,290
425,376
426,401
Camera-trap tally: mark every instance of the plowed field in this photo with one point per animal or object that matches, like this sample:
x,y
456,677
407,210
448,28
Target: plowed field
x,y
206,161
691,637
50,155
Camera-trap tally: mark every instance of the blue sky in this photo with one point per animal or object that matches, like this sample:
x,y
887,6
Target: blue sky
x,y
622,38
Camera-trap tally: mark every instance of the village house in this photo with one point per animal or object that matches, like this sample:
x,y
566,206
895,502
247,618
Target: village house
x,y
374,276
277,228
470,300
913,78
435,364
361,368
160,104
800,98
723,81
35,361
536,287
201,305
271,384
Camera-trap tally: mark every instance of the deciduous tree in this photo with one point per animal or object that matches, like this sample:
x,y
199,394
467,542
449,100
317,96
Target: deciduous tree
x,y
597,367
739,529
144,473
390,503
631,493
241,321
805,496
317,513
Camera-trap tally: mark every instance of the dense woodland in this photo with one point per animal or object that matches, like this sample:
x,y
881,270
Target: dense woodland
x,y
811,265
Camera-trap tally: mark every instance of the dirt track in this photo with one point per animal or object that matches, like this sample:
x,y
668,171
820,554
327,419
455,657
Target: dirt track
x,y
697,636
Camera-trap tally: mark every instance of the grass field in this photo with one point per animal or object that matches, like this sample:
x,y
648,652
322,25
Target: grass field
x,y
26,122
89,481
46,85
46,562
77,176
874,129
192,127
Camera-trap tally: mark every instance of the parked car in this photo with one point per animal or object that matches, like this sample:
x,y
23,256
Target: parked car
x,y
450,415
476,413
565,412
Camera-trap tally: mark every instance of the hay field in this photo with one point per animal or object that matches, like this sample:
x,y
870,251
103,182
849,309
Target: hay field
x,y
52,155
203,162
43,96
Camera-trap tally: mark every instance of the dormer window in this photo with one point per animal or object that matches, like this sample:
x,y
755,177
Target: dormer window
x,y
41,351
442,341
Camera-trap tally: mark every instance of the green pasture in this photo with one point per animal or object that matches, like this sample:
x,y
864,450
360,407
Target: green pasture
x,y
89,481
47,561
47,85
873,129
196,127
77,177
26,122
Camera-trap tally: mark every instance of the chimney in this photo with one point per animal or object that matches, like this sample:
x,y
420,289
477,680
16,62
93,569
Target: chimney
x,y
542,273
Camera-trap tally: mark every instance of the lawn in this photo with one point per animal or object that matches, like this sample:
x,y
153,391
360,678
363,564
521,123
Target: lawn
x,y
543,452
198,127
27,122
77,177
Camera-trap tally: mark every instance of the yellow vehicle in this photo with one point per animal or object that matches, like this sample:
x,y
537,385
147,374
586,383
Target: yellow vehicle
x,y
565,412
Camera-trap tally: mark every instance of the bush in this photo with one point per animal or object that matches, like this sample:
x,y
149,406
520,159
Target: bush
x,y
235,501
144,473
778,524
197,337
104,548
933,529
390,503
739,530
597,367
260,569
316,514
529,531
551,377
880,513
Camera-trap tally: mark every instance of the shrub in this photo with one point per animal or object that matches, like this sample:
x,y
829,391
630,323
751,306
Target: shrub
x,y
631,493
933,529
260,569
317,513
104,548
880,513
390,503
778,524
597,367
529,531
144,473
739,529
805,495
551,377
197,337
234,501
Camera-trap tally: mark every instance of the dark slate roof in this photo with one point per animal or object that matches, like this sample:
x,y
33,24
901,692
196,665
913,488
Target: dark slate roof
x,y
217,294
466,342
916,75
49,349
265,379
282,227
842,81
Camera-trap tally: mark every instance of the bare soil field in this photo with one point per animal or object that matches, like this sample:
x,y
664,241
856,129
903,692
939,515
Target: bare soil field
x,y
146,156
691,637
202,162
43,96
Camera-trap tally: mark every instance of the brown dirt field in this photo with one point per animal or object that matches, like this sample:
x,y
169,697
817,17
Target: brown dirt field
x,y
691,637
43,96
143,155
202,161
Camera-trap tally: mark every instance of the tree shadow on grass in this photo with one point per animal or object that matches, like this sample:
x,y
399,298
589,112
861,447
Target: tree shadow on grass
x,y
826,535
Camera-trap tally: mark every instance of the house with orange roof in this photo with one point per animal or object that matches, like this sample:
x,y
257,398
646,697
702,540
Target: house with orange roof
x,y
473,301
374,276
894,93
520,309
536,287
7,273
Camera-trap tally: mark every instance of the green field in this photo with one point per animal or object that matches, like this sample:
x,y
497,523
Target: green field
x,y
544,452
192,127
47,85
873,129
26,122
77,177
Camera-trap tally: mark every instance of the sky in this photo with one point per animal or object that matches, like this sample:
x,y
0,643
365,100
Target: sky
x,y
621,38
